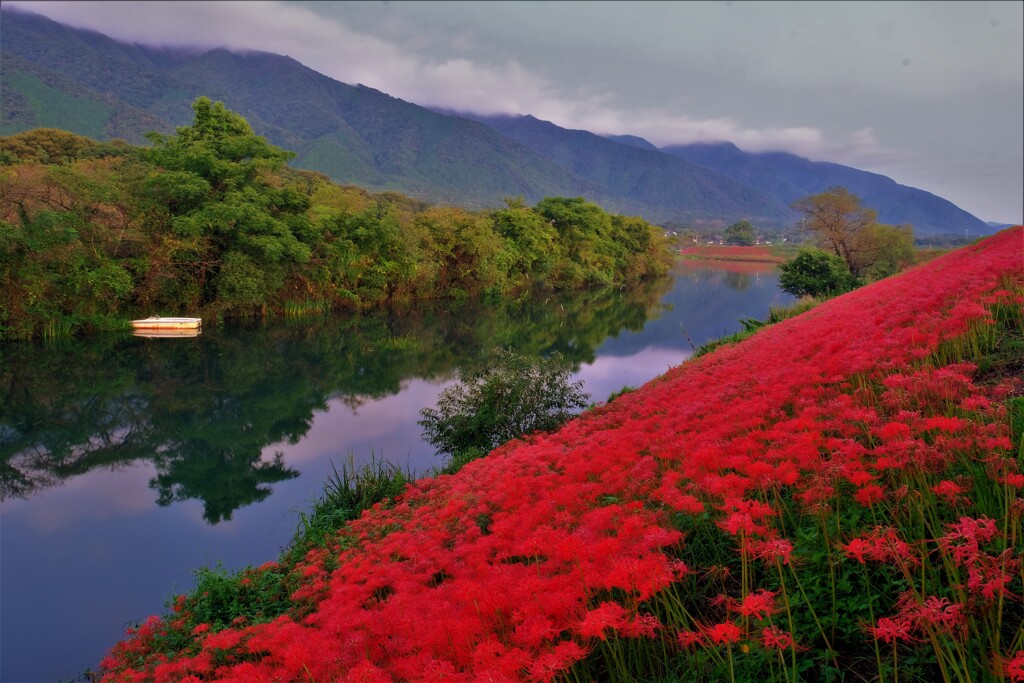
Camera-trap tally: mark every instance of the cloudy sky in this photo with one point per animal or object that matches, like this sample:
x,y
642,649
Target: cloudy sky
x,y
928,93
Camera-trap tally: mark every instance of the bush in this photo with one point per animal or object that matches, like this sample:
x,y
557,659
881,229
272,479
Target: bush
x,y
816,273
513,396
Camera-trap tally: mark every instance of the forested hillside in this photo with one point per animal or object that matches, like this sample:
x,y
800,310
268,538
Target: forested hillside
x,y
211,221
81,81
649,177
84,82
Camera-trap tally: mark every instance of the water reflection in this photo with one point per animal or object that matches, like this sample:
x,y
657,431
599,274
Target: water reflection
x,y
738,281
93,432
203,410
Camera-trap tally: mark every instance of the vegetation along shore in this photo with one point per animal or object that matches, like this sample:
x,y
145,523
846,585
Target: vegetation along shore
x,y
837,497
210,222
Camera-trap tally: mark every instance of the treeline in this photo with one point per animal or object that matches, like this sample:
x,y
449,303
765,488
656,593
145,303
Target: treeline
x,y
210,221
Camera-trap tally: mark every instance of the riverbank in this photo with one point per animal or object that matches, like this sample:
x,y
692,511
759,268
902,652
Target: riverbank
x,y
834,493
759,254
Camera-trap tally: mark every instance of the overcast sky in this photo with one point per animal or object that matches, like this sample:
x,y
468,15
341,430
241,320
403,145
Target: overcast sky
x,y
928,93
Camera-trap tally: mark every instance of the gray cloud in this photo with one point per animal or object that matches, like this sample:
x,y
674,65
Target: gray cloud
x,y
929,93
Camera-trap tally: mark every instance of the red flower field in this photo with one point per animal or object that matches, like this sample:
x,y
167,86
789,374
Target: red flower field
x,y
732,253
840,492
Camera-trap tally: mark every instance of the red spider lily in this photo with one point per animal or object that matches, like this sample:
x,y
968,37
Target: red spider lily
x,y
560,658
1014,667
774,638
690,638
642,626
883,544
771,549
934,613
844,397
951,492
758,604
966,537
892,629
725,633
988,576
608,615
744,516
869,495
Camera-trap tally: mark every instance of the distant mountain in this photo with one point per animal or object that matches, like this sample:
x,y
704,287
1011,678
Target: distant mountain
x,y
36,97
634,140
787,177
87,83
84,82
354,134
646,177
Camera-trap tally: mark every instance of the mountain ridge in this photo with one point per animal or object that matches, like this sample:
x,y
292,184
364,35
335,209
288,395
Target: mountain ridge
x,y
628,169
91,84
788,177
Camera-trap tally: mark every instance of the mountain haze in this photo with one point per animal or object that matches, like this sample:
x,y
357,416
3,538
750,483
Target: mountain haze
x,y
354,134
787,177
87,83
632,173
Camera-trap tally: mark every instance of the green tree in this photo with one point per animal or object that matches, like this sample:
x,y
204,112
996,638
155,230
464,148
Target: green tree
x,y
512,396
54,146
368,255
61,229
233,228
464,249
888,248
741,233
529,238
816,273
587,256
837,221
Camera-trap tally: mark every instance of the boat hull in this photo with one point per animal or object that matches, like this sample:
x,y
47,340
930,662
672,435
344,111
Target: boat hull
x,y
156,323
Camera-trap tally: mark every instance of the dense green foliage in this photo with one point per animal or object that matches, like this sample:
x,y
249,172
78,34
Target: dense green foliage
x,y
816,273
211,222
511,397
836,221
848,247
741,234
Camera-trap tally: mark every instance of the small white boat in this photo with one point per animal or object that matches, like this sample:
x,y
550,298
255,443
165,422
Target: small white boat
x,y
157,324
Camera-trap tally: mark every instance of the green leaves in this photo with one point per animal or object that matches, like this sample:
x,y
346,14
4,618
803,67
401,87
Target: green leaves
x,y
512,396
213,183
741,233
816,273
211,221
839,223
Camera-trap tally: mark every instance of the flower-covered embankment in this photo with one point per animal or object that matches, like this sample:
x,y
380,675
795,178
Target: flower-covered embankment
x,y
839,494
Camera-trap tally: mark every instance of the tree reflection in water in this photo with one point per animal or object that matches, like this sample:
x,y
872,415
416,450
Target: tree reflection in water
x,y
203,410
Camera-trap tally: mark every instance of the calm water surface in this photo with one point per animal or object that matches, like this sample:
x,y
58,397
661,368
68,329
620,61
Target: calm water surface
x,y
125,463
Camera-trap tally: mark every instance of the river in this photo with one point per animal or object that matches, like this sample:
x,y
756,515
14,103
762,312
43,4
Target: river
x,y
126,462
